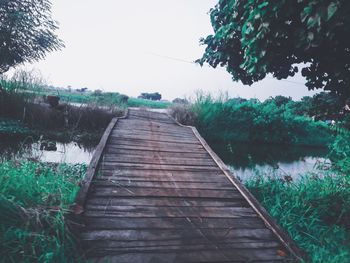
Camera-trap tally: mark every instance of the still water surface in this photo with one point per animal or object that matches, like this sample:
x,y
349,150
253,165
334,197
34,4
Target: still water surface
x,y
244,160
247,160
46,151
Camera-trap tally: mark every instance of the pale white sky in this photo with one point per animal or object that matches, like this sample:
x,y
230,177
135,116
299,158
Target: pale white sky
x,y
111,45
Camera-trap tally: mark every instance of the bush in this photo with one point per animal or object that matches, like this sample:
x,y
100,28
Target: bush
x,y
272,121
340,153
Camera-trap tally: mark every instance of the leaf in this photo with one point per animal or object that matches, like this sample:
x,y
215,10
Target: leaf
x,y
263,5
331,10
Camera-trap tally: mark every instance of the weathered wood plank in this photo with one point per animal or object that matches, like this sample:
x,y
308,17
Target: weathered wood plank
x,y
183,234
126,128
160,175
150,153
102,223
162,192
154,138
157,211
167,201
137,166
207,256
145,132
168,184
155,143
159,148
157,159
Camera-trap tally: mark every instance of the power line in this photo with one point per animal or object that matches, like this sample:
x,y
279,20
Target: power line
x,y
194,63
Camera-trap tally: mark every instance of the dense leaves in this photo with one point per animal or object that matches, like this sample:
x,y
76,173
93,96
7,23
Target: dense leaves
x,y
27,32
272,121
254,38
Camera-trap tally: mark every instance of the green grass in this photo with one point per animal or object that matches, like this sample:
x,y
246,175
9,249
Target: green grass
x,y
315,211
34,199
134,102
257,122
10,126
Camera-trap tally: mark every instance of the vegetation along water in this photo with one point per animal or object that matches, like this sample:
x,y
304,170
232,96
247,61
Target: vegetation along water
x,y
294,156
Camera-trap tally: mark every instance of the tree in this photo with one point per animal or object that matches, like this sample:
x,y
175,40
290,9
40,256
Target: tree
x,y
150,96
253,38
27,32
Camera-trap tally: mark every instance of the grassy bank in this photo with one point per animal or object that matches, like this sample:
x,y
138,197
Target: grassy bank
x,y
315,211
34,199
240,120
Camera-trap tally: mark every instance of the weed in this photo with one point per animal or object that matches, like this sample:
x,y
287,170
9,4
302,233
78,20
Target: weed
x,y
315,211
34,198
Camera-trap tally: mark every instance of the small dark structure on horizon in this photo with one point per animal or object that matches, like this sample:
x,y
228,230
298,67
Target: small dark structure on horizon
x,y
150,96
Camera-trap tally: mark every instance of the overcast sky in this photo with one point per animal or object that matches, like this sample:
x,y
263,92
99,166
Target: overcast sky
x,y
128,46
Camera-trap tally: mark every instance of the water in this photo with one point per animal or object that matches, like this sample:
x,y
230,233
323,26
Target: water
x,y
244,160
247,160
46,151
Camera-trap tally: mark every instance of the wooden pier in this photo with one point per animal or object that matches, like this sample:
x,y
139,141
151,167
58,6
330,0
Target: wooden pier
x,y
156,192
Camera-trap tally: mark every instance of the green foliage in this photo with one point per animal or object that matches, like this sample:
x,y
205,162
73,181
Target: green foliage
x,y
27,32
34,198
133,102
272,121
315,211
254,38
340,153
8,126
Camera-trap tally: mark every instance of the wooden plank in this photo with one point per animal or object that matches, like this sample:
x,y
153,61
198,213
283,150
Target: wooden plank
x,y
206,256
102,223
168,184
161,175
156,211
153,120
140,129
154,138
151,124
177,234
166,201
145,141
162,192
85,184
141,153
177,134
142,147
156,159
109,165
179,245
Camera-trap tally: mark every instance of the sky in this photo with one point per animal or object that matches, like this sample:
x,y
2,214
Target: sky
x,y
144,46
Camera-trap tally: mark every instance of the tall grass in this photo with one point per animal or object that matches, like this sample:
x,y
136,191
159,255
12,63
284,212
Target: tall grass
x,y
134,102
315,211
34,199
257,122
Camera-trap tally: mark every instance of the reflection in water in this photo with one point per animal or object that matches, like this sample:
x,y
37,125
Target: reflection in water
x,y
246,160
17,148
